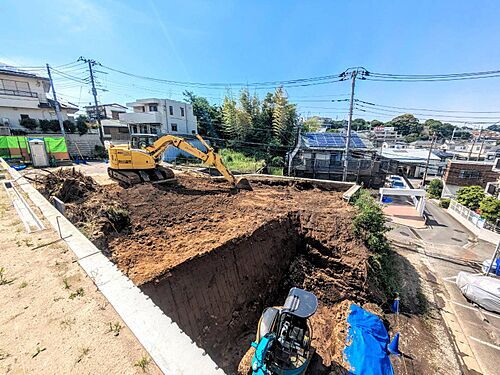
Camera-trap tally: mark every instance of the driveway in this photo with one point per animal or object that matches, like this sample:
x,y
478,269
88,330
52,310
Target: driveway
x,y
448,248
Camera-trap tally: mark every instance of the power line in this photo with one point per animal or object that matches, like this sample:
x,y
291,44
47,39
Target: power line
x,y
422,109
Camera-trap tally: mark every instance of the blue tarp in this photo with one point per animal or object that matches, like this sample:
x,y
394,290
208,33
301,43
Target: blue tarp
x,y
366,347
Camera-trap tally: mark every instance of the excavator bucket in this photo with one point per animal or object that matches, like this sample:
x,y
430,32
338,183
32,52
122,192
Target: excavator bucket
x,y
243,184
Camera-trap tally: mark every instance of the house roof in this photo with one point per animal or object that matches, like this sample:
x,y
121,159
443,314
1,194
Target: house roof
x,y
334,141
106,105
68,107
407,155
11,72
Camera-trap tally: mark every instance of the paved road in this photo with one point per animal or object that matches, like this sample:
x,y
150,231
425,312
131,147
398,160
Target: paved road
x,y
449,247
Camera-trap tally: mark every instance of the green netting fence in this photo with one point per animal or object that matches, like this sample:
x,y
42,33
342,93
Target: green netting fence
x,y
16,147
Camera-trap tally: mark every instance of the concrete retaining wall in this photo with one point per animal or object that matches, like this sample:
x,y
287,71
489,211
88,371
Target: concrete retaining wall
x,y
470,220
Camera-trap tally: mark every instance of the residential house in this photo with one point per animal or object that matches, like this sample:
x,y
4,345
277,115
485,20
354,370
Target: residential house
x,y
112,128
153,117
106,111
381,134
396,145
473,150
412,162
461,173
320,155
24,95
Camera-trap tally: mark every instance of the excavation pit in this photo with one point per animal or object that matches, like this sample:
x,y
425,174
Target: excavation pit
x,y
213,260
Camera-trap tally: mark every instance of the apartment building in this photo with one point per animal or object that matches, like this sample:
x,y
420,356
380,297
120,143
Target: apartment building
x,y
113,129
381,134
468,173
24,95
153,117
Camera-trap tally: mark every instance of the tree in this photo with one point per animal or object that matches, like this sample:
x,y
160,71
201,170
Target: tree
x,y
376,123
437,127
209,116
69,126
470,196
54,126
29,123
490,209
311,125
360,124
435,188
406,124
494,127
44,125
81,124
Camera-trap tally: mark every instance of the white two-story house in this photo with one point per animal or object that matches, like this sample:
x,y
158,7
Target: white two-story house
x,y
24,95
153,117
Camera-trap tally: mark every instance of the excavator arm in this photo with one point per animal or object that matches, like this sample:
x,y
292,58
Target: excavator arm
x,y
209,158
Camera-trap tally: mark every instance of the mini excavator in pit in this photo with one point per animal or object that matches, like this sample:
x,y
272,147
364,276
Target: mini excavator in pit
x,y
131,166
284,335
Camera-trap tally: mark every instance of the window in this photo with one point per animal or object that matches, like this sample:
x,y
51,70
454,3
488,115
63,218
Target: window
x,y
171,110
134,129
154,130
115,115
107,130
174,127
182,112
23,117
123,130
468,174
153,108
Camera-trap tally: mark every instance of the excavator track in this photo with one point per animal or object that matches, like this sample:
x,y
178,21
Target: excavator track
x,y
157,175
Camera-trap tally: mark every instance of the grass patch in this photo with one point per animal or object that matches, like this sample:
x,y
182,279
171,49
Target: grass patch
x,y
78,293
83,353
143,363
3,278
68,322
66,283
237,161
115,328
24,284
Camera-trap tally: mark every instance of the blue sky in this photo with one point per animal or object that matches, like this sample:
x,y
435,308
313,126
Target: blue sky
x,y
248,41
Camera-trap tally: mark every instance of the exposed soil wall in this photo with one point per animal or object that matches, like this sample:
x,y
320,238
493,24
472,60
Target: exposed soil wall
x,y
216,298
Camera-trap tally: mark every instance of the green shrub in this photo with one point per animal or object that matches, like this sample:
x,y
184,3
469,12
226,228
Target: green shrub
x,y
444,202
69,126
435,188
29,123
470,196
54,126
100,152
45,125
490,209
369,225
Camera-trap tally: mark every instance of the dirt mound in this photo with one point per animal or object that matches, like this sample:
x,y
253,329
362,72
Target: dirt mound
x,y
91,207
67,184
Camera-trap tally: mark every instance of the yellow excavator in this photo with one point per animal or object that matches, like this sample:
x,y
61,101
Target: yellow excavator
x,y
131,166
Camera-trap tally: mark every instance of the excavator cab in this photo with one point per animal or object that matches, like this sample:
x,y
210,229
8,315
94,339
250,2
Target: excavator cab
x,y
284,334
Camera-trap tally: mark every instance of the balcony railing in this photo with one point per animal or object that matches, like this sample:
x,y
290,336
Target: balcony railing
x,y
27,94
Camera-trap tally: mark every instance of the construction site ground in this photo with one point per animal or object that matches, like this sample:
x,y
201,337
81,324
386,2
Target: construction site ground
x,y
53,319
213,259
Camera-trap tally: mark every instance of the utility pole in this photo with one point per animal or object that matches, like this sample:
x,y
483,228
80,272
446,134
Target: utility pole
x,y
91,63
56,103
474,142
428,159
349,125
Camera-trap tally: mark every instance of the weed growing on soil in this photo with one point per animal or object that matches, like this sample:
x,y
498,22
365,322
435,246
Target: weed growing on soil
x,y
143,363
115,328
28,242
118,217
38,350
68,322
3,278
369,225
24,284
66,283
4,355
78,293
83,353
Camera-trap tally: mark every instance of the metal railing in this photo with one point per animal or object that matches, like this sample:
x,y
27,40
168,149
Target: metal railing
x,y
27,94
473,217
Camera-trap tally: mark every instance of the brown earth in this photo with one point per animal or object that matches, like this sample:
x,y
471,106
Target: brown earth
x,y
213,259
